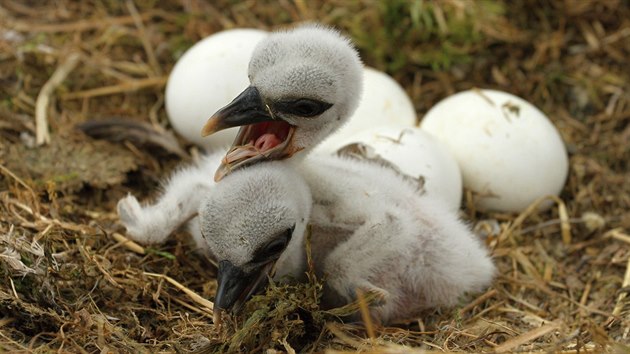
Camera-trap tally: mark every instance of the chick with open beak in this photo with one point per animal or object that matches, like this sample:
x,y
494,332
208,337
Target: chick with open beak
x,y
253,223
304,84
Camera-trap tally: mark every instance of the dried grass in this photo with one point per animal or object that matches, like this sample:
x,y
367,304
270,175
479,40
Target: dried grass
x,y
71,282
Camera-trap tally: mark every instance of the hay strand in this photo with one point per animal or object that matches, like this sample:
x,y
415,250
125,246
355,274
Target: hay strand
x,y
124,87
365,314
527,337
143,37
625,285
205,305
128,244
43,98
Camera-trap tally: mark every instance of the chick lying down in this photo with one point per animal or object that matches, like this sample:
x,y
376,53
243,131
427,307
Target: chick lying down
x,y
254,222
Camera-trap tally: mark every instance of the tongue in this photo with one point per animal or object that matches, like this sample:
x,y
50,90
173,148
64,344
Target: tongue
x,y
266,142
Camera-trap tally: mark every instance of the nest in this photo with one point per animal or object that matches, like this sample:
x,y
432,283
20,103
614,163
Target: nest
x,y
71,282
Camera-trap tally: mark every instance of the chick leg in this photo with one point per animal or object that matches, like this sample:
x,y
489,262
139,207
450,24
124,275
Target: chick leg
x,y
361,263
180,201
420,260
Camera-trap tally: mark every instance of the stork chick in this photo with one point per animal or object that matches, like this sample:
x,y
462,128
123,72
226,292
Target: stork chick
x,y
305,83
416,253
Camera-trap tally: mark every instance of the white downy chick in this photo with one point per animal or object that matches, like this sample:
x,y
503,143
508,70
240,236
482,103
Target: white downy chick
x,y
411,250
254,223
374,233
305,83
373,230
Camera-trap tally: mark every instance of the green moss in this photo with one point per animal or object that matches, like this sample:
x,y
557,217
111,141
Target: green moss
x,y
409,32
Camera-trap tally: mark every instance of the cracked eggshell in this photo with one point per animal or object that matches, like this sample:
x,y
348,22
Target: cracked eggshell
x,y
383,102
509,153
417,154
207,77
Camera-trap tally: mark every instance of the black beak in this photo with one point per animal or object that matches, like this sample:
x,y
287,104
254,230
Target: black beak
x,y
235,287
246,108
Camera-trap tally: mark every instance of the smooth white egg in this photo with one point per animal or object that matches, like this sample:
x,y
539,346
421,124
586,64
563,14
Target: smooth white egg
x,y
383,102
207,77
418,155
509,153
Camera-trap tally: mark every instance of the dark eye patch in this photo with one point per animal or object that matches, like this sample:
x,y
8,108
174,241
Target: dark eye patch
x,y
274,248
302,107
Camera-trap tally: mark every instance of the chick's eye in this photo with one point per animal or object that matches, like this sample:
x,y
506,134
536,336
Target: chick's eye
x,y
273,249
303,107
276,246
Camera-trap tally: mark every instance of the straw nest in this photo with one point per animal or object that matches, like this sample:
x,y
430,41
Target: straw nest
x,y
71,282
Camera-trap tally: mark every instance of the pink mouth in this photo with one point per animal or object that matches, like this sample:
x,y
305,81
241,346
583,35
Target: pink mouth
x,y
256,142
263,144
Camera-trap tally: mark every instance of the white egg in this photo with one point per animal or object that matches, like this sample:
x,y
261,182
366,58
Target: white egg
x,y
509,153
418,155
383,102
207,77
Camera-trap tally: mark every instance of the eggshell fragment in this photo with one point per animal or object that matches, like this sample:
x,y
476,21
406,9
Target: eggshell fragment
x,y
509,153
207,77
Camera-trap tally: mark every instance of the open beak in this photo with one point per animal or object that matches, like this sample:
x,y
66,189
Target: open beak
x,y
235,287
262,136
246,108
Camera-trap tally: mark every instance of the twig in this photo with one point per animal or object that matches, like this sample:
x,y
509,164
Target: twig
x,y
335,330
45,220
43,98
18,180
618,235
143,37
13,289
206,305
490,293
134,85
483,95
565,225
622,296
547,223
85,252
365,314
81,25
191,307
527,337
129,244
